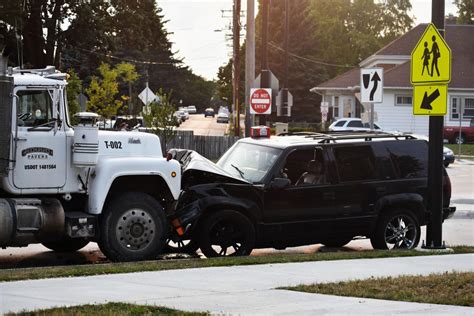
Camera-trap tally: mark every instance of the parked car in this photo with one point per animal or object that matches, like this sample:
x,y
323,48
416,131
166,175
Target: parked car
x,y
456,135
222,117
209,112
352,124
180,116
131,122
185,112
288,191
192,109
448,156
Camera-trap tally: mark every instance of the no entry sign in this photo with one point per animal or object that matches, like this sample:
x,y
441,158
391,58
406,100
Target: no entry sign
x,y
260,101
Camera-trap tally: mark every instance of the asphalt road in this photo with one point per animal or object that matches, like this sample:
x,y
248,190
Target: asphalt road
x,y
206,126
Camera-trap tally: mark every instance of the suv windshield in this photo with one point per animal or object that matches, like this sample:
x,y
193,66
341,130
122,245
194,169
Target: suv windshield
x,y
248,161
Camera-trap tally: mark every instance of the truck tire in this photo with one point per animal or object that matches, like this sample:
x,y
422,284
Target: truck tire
x,y
66,245
396,229
133,228
226,233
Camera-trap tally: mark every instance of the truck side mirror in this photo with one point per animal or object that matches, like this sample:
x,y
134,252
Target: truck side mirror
x,y
280,183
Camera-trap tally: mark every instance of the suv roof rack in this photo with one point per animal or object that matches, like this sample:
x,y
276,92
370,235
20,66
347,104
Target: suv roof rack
x,y
328,137
366,136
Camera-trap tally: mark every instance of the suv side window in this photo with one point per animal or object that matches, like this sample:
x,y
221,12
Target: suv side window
x,y
340,123
409,158
355,163
355,124
296,163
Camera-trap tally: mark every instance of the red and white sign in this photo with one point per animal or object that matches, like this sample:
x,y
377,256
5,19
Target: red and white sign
x,y
260,101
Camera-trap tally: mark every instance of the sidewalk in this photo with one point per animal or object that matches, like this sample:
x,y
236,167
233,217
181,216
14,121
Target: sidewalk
x,y
243,290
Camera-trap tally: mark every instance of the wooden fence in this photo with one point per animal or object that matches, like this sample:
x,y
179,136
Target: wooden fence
x,y
211,147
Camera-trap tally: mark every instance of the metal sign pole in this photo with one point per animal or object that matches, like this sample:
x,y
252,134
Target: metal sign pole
x,y
435,160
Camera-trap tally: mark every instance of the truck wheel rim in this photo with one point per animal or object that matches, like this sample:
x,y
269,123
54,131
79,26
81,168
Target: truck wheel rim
x,y
401,232
136,229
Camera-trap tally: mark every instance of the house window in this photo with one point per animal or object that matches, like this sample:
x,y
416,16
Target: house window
x,y
454,108
403,100
463,106
336,106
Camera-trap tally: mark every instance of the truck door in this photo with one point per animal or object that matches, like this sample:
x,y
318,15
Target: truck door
x,y
40,139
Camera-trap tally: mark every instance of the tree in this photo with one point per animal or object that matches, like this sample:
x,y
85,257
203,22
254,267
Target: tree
x,y
102,91
129,75
465,11
73,89
39,23
160,118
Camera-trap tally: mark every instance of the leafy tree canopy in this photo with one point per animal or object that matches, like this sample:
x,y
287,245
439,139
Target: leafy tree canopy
x,y
465,11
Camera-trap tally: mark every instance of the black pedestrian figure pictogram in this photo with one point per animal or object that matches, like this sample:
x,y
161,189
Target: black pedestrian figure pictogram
x,y
426,59
436,55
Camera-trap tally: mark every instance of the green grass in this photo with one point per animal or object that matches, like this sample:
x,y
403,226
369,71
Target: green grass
x,y
448,288
158,265
112,309
466,149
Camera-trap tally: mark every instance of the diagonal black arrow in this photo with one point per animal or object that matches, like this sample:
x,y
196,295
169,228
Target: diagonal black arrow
x,y
375,79
427,100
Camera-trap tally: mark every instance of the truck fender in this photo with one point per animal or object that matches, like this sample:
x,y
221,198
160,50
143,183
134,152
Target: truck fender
x,y
109,169
411,201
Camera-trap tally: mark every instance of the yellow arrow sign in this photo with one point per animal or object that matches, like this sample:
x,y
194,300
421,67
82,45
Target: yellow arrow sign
x,y
430,100
431,58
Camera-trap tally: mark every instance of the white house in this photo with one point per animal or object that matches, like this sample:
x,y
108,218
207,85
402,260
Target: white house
x,y
396,112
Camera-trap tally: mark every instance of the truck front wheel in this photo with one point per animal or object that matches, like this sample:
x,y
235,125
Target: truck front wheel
x,y
133,228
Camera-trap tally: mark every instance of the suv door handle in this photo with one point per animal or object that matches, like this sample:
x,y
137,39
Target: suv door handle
x,y
329,196
21,139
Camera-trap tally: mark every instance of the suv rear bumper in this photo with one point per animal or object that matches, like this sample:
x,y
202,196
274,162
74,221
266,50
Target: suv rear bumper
x,y
448,212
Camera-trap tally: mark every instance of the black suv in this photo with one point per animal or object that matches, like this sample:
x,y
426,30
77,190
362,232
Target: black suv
x,y
304,189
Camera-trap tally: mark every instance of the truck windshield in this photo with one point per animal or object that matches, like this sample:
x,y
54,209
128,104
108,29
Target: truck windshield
x,y
248,161
35,107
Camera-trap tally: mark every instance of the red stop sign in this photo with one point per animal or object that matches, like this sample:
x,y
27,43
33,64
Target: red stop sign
x,y
261,101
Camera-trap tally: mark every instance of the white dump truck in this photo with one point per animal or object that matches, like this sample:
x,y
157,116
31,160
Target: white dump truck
x,y
64,186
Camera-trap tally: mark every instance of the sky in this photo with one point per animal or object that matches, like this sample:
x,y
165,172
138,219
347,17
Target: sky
x,y
199,30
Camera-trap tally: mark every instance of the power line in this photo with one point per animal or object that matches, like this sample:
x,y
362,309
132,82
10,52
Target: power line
x,y
312,60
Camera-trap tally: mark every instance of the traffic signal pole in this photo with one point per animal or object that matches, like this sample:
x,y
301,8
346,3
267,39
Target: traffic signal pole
x,y
435,160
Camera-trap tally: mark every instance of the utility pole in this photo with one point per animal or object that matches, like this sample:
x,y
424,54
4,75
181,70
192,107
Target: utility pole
x,y
236,63
287,47
435,166
265,73
249,63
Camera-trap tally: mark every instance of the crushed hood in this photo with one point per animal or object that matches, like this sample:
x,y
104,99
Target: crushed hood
x,y
200,170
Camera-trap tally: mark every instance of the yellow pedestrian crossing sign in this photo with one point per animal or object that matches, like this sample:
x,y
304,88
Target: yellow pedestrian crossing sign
x,y
430,100
431,59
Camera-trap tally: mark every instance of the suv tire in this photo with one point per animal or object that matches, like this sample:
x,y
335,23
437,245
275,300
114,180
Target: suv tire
x,y
396,229
186,245
133,227
226,229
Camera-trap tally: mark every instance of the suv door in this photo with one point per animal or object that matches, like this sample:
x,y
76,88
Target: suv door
x,y
300,211
357,187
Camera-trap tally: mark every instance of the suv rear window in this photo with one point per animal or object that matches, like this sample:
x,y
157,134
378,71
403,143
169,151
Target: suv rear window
x,y
409,158
355,124
355,163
